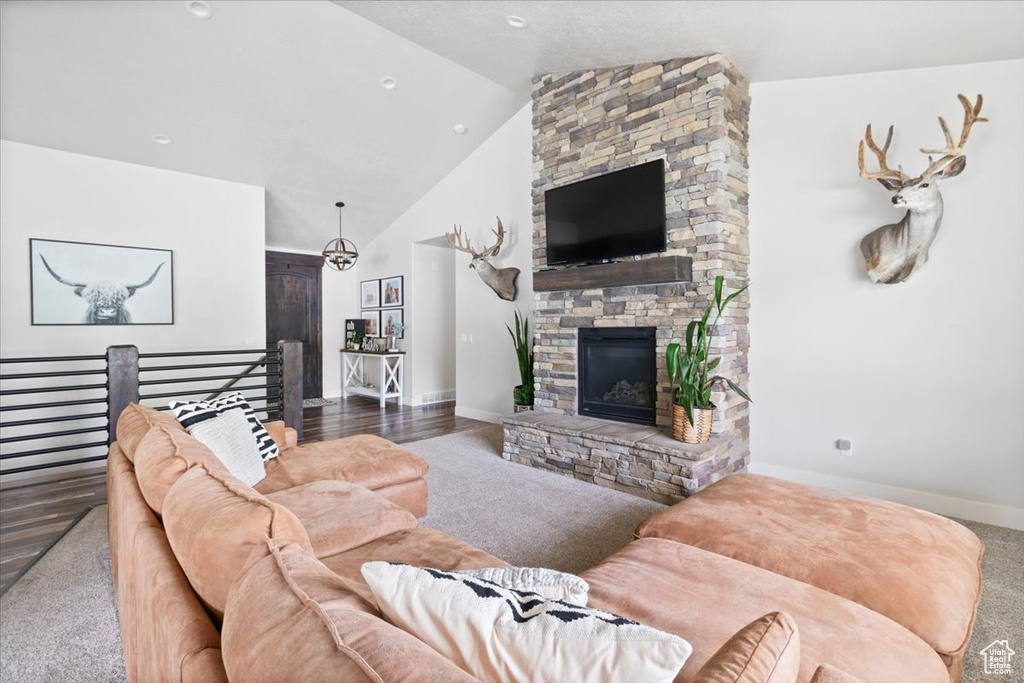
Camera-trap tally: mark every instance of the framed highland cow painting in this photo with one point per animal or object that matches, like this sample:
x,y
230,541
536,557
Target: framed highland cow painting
x,y
79,283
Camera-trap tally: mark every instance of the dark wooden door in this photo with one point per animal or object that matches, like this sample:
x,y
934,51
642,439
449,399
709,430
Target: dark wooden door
x,y
295,311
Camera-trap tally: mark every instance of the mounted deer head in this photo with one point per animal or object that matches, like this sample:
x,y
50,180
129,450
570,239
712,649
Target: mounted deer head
x,y
892,253
501,280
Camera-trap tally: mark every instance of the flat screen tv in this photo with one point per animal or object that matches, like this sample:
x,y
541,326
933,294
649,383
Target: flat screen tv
x,y
612,215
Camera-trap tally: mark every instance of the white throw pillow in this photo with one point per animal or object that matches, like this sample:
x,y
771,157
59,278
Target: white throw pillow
x,y
549,583
229,436
499,634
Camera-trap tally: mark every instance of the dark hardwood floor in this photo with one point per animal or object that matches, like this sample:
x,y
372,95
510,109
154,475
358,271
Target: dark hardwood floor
x,y
34,516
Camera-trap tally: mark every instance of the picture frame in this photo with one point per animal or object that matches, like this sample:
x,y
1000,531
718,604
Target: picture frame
x,y
86,283
389,316
369,294
372,320
392,292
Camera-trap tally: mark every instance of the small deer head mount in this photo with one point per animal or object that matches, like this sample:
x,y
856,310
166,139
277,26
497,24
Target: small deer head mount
x,y
892,253
501,280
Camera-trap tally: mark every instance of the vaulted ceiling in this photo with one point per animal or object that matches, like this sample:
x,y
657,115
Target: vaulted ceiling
x,y
286,93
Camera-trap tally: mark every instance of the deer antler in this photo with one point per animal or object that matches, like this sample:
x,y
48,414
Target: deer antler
x,y
500,234
884,172
454,240
953,150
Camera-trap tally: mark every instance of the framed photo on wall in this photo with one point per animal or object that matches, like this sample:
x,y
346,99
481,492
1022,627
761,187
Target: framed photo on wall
x,y
372,320
80,283
392,290
388,318
369,294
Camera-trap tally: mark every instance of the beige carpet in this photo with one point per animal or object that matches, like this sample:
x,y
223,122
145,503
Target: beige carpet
x,y
58,623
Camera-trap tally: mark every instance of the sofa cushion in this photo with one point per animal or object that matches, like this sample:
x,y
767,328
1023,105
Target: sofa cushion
x,y
498,634
162,456
919,569
339,516
420,547
193,413
767,650
706,598
289,602
135,421
213,522
366,460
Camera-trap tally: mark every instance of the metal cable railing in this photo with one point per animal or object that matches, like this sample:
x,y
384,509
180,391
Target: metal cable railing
x,y
56,422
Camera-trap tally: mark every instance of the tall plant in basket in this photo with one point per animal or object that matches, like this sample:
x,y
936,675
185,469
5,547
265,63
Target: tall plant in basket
x,y
522,395
689,372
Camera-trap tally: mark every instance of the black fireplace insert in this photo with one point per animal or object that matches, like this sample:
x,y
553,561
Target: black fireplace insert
x,y
618,373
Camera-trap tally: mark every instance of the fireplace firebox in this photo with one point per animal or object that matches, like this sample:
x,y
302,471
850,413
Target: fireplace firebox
x,y
618,373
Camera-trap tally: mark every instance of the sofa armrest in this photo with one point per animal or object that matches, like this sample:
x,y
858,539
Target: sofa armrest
x,y
284,437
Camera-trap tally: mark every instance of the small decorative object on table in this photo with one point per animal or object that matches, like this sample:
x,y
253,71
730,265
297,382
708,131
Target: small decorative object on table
x,y
357,340
692,410
522,395
395,331
352,326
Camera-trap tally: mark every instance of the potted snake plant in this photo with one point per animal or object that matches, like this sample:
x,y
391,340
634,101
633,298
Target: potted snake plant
x,y
689,371
522,394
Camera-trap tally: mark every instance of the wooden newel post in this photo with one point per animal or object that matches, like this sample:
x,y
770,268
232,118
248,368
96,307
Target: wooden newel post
x,y
122,384
291,379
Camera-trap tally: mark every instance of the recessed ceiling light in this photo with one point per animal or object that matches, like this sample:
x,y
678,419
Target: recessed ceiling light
x,y
388,83
459,129
516,22
199,8
162,139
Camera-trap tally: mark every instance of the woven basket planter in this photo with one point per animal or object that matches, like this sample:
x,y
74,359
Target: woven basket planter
x,y
683,431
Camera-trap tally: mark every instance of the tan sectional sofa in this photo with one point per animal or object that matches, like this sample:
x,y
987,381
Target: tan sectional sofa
x,y
219,581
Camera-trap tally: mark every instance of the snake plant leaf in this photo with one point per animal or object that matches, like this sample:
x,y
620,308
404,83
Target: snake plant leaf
x,y
719,281
713,363
672,362
733,296
689,335
732,385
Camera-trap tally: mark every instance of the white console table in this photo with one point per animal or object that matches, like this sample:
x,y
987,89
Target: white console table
x,y
389,377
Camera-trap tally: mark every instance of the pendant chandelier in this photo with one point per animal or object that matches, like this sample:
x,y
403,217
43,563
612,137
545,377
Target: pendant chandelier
x,y
340,254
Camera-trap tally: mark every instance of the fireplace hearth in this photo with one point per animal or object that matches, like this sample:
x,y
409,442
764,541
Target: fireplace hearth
x,y
617,374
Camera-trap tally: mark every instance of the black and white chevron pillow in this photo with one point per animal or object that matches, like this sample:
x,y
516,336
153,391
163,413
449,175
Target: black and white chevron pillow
x,y
193,412
502,634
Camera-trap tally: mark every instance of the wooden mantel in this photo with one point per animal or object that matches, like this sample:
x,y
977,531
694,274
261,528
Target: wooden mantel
x,y
618,274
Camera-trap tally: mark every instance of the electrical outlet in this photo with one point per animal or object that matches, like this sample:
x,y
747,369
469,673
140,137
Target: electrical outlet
x,y
845,447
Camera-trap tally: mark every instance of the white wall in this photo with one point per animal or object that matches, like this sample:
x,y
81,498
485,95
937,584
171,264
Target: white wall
x,y
215,229
493,181
925,377
433,271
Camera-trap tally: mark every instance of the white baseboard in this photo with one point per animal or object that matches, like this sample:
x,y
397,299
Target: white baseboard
x,y
987,513
481,415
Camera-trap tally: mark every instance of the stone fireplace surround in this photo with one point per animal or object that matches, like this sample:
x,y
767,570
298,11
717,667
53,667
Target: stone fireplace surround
x,y
693,113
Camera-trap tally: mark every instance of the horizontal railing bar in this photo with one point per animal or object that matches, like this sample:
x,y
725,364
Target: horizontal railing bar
x,y
150,382
54,449
65,373
189,392
182,354
156,368
44,390
59,418
54,404
31,468
50,435
50,359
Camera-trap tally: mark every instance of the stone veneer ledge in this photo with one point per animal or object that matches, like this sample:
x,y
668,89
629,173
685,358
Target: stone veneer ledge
x,y
692,113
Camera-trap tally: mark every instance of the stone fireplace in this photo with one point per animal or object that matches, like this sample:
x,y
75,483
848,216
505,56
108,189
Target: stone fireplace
x,y
617,373
693,114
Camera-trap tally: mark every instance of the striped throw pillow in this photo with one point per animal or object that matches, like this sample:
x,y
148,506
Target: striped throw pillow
x,y
193,412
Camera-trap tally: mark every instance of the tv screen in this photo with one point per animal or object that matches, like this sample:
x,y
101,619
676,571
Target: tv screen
x,y
613,215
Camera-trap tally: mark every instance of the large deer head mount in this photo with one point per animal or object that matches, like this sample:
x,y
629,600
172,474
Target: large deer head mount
x,y
893,253
501,280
